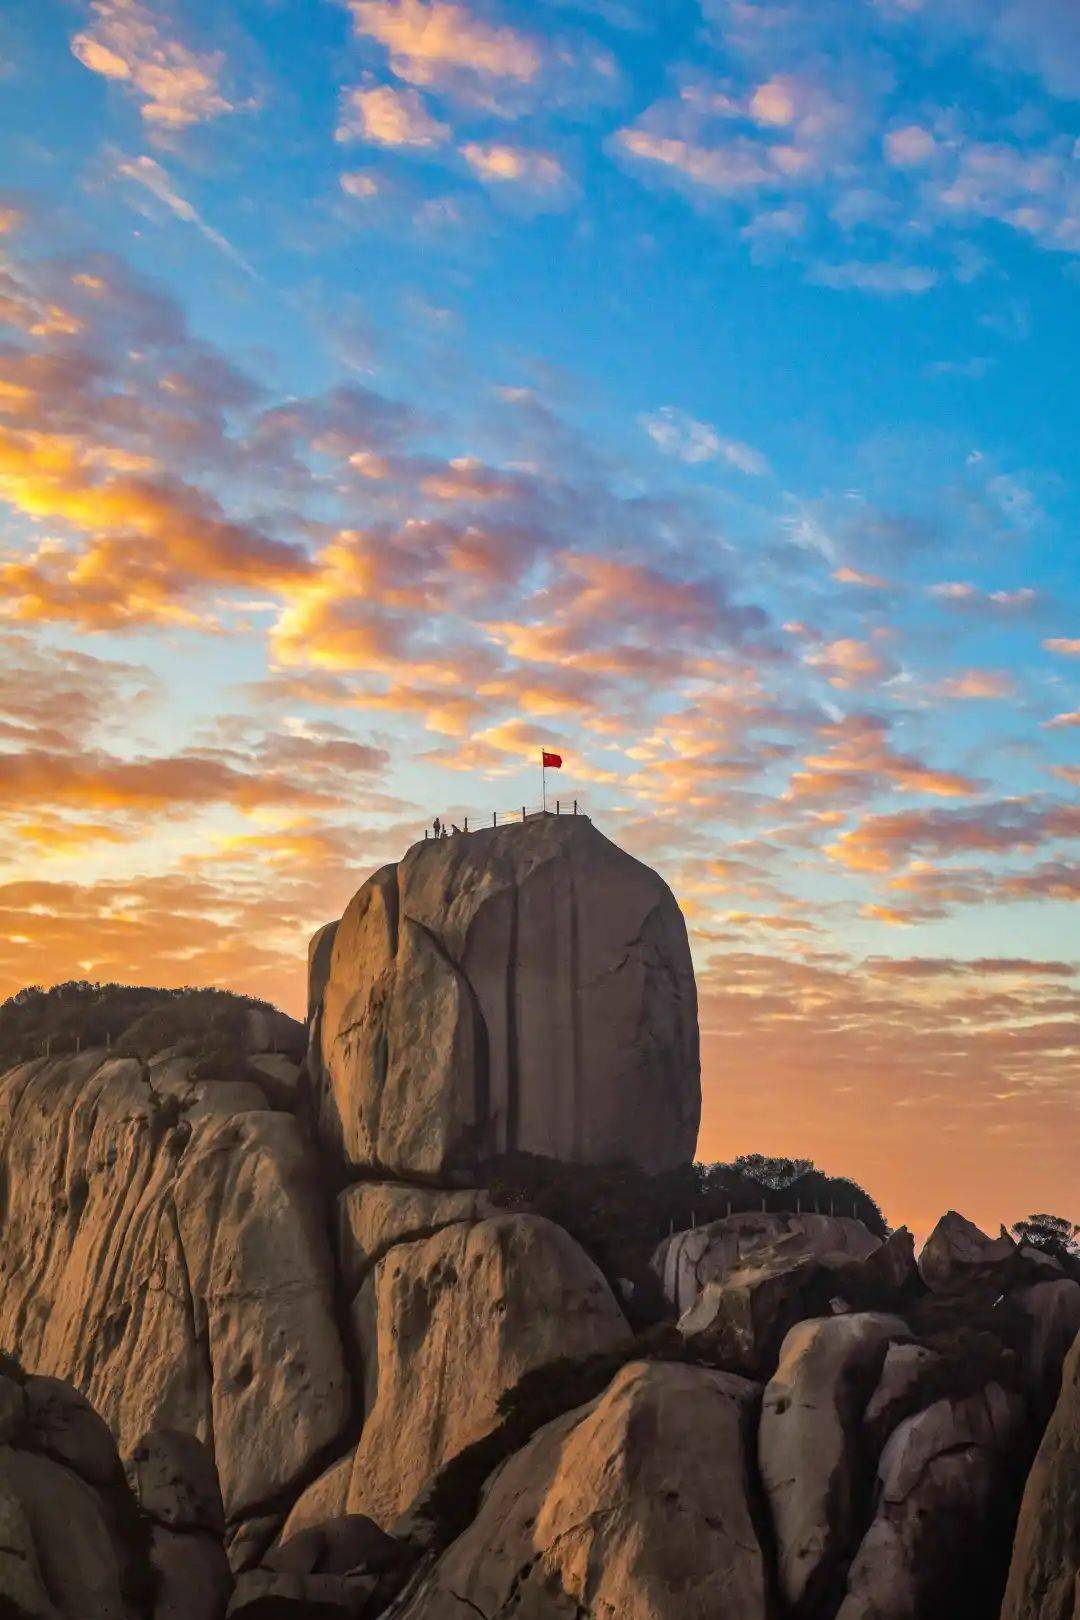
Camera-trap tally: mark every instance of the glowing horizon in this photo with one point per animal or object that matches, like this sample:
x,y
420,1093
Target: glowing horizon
x,y
391,389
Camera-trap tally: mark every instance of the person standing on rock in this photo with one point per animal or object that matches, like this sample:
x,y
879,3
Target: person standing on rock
x,y
437,828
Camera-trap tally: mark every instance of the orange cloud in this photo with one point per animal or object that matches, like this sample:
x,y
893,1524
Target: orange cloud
x,y
977,683
429,40
176,86
849,662
1067,646
498,164
388,116
859,762
881,842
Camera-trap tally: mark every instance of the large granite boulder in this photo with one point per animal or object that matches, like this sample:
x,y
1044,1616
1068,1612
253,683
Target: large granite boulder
x,y
945,1505
1044,1576
636,1505
686,1261
957,1257
523,988
813,1466
446,1325
173,1265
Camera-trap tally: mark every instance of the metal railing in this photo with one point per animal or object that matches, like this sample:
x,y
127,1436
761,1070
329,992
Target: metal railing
x,y
502,818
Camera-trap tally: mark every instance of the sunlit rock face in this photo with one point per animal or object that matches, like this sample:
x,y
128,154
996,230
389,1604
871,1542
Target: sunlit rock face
x,y
527,988
165,1249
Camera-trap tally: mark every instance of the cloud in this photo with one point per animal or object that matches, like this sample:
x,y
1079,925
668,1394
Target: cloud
x,y
388,116
857,763
1063,722
971,598
498,164
849,662
880,843
146,172
434,42
175,85
678,434
910,146
1067,646
890,280
977,683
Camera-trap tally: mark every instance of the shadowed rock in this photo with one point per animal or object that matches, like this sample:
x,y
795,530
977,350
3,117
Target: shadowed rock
x,y
1045,1573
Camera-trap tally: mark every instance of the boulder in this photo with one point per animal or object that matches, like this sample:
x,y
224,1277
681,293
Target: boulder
x,y
175,1482
12,1409
352,1541
740,1321
194,1579
175,1269
61,1423
945,1503
22,1587
78,1562
1045,1568
446,1325
523,988
324,1498
812,1466
1053,1309
957,1257
635,1505
266,1594
374,1215
908,1376
687,1261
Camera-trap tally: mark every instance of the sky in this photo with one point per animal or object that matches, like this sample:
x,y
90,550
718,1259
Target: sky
x,y
392,388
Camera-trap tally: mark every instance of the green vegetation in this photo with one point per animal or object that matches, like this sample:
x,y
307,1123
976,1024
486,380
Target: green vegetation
x,y
1053,1234
134,1020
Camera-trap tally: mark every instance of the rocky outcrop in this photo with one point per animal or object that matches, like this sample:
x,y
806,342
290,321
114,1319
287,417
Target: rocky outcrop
x,y
635,1505
687,1261
447,1325
1044,1576
944,1512
165,1250
526,988
957,1256
809,1448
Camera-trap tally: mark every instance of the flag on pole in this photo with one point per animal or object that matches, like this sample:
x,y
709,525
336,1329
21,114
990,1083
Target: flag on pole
x,y
552,762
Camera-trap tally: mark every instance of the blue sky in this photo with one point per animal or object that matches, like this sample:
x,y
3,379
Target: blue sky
x,y
389,389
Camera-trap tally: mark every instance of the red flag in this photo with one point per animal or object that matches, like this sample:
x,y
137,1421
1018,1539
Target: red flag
x,y
552,762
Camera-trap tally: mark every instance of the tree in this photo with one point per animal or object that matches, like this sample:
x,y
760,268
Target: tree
x,y
771,1171
1053,1234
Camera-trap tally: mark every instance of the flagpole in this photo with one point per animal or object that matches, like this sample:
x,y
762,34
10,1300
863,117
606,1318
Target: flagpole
x,y
543,781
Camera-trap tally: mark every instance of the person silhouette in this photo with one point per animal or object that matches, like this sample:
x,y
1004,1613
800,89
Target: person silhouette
x,y
437,827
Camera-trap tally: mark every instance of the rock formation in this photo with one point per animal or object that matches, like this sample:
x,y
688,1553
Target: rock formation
x,y
500,1298
164,1248
310,1282
526,988
810,1448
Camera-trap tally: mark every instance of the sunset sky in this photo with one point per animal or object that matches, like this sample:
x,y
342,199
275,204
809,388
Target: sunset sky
x,y
390,387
